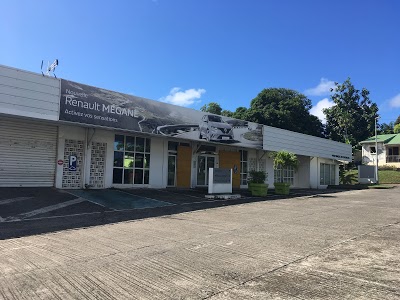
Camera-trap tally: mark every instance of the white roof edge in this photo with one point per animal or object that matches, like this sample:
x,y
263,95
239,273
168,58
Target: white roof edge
x,y
29,72
306,135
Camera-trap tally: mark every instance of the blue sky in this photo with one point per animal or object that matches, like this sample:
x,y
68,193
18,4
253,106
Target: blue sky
x,y
191,52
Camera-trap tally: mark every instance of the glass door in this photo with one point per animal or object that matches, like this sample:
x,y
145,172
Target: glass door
x,y
171,170
204,162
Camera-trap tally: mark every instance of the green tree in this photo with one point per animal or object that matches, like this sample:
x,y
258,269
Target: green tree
x,y
286,109
386,128
227,113
240,113
397,121
396,128
212,108
352,118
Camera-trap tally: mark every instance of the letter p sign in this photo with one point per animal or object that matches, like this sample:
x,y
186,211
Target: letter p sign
x,y
72,163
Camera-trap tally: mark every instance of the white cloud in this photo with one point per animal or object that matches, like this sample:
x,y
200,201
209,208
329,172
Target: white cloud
x,y
323,88
317,109
395,101
183,98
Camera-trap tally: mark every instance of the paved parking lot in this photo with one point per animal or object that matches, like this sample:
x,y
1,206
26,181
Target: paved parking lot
x,y
341,245
27,211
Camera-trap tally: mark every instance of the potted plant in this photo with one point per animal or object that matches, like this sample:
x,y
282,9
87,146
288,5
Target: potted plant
x,y
256,183
283,159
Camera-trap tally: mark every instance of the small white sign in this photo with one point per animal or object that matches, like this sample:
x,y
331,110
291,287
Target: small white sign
x,y
214,185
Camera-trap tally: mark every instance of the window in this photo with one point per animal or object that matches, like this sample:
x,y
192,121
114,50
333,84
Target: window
x,y
327,174
131,160
216,119
285,174
243,167
372,149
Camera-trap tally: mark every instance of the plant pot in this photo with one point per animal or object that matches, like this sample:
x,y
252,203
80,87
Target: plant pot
x,y
258,189
250,186
282,188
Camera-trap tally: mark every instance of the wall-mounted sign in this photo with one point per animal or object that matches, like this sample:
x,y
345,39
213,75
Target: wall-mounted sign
x,y
235,169
72,163
85,104
60,162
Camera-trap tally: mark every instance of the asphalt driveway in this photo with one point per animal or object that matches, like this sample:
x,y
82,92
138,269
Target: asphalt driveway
x,y
341,245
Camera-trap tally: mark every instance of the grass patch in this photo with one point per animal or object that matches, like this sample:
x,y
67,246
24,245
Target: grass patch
x,y
389,176
385,177
380,186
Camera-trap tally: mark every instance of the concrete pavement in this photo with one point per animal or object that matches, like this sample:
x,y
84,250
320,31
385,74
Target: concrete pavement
x,y
333,246
28,211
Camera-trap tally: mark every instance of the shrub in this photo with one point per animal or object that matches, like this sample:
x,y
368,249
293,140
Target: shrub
x,y
257,177
285,159
387,167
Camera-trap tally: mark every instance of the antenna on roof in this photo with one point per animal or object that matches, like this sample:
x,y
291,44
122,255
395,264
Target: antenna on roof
x,y
50,68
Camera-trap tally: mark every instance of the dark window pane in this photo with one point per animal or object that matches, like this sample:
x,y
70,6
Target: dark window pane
x,y
119,143
244,155
148,141
139,144
128,160
130,143
117,175
147,161
244,179
171,170
138,176
244,167
146,176
128,176
173,146
118,159
139,158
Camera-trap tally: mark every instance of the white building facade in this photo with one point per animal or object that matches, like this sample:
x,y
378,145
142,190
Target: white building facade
x,y
55,132
387,153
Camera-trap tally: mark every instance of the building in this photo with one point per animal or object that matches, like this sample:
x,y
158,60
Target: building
x,y
56,132
388,150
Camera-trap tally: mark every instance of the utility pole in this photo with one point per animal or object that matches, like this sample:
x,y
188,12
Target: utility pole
x,y
376,151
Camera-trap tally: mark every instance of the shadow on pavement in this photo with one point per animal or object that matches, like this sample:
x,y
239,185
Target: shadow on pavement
x,y
30,211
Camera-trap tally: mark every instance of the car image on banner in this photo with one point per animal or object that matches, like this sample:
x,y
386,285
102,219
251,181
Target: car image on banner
x,y
213,128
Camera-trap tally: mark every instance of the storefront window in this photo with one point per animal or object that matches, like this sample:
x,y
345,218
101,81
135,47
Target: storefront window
x,y
131,160
327,174
285,174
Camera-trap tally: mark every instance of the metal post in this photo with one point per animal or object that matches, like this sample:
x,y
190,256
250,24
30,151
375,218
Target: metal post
x,y
376,152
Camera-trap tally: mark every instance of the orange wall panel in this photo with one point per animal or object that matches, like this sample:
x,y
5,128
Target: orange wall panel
x,y
228,160
183,167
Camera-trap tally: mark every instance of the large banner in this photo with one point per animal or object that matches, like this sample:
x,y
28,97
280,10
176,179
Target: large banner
x,y
85,104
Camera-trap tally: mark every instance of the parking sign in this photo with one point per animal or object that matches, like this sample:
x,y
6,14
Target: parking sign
x,y
72,163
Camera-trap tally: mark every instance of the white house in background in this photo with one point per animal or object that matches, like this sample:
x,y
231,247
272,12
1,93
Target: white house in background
x,y
388,150
55,132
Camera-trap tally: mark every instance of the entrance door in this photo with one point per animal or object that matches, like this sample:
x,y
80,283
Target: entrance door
x,y
171,170
204,162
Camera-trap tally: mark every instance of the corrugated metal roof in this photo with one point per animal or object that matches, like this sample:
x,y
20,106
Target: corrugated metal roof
x,y
395,140
381,138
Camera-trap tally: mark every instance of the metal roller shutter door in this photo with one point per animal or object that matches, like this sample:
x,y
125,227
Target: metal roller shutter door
x,y
27,153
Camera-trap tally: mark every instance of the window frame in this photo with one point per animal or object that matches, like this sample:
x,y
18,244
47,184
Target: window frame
x,y
326,168
138,170
285,174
